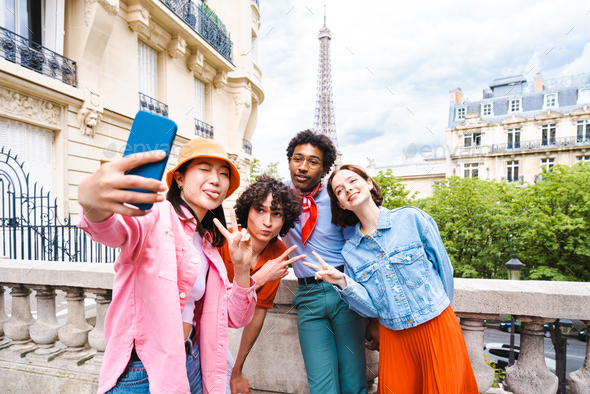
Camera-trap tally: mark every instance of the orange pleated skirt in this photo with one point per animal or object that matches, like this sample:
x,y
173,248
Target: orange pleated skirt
x,y
430,358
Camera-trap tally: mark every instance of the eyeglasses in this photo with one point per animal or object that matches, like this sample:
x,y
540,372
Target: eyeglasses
x,y
312,162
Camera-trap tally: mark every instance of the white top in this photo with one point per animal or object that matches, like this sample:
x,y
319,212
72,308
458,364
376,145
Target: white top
x,y
199,286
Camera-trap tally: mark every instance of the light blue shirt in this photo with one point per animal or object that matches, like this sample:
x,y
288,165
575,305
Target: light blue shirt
x,y
400,272
326,240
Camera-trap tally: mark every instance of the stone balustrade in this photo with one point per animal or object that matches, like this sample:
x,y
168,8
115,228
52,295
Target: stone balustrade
x,y
40,354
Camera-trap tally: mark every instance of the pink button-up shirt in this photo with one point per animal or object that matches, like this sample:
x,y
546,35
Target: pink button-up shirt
x,y
155,272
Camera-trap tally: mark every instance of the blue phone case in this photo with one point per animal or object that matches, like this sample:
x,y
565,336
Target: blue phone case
x,y
150,132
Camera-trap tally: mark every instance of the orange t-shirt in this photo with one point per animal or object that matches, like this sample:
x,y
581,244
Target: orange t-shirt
x,y
265,294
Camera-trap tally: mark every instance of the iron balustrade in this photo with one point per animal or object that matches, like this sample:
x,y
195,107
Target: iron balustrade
x,y
20,50
204,25
247,147
520,146
203,129
29,226
147,103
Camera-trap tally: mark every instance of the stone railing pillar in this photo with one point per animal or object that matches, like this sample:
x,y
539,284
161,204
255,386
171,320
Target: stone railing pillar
x,y
44,330
580,379
3,319
17,327
96,336
75,333
530,374
473,329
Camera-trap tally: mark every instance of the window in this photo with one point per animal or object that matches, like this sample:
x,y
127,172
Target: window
x,y
254,49
40,21
460,113
514,105
35,148
547,164
199,111
148,70
513,139
486,109
583,131
470,170
583,158
548,134
584,96
512,171
473,139
550,100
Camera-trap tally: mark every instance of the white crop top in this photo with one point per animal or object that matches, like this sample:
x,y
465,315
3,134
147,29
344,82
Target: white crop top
x,y
199,286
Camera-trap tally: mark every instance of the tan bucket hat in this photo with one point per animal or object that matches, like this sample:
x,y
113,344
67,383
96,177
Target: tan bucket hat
x,y
200,147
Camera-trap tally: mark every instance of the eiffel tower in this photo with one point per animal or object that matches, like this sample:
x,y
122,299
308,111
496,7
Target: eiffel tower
x,y
324,122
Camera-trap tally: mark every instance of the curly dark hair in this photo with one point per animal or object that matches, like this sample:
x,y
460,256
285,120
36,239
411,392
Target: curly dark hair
x,y
283,198
343,217
320,141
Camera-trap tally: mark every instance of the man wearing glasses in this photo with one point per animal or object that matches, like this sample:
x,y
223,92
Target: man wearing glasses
x,y
331,335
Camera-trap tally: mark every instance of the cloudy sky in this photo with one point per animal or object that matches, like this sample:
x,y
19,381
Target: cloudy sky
x,y
394,62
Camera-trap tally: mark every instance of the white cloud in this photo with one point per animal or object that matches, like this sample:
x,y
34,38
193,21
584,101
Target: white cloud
x,y
417,50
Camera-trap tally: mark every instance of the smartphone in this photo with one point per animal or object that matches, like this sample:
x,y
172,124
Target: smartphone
x,y
150,132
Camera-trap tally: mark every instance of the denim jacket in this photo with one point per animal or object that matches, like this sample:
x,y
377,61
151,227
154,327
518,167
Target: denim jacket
x,y
400,272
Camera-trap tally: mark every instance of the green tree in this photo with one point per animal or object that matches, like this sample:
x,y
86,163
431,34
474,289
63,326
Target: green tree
x,y
394,192
554,217
476,224
255,170
273,170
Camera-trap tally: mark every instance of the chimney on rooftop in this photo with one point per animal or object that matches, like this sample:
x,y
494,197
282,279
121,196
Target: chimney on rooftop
x,y
456,96
538,82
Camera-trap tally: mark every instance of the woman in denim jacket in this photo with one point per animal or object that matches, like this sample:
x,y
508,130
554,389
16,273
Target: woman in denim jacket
x,y
397,269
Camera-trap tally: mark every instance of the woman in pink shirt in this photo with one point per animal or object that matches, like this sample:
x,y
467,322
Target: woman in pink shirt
x,y
166,330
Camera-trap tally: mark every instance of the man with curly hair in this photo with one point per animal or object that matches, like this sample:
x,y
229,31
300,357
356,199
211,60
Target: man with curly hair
x,y
331,335
267,209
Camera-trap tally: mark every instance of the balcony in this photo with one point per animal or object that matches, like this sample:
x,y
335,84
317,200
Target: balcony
x,y
247,145
205,23
20,50
146,103
37,348
522,146
203,130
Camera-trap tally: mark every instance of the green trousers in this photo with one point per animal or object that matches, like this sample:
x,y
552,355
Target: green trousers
x,y
332,339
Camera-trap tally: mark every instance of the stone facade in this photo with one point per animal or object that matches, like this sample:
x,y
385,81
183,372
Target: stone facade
x,y
90,121
515,130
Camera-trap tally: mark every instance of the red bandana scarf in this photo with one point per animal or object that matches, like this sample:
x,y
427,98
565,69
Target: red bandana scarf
x,y
309,211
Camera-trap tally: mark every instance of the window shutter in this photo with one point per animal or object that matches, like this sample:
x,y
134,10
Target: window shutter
x,y
199,100
148,70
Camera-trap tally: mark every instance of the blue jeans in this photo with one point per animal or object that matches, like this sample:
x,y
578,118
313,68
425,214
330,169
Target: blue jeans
x,y
134,380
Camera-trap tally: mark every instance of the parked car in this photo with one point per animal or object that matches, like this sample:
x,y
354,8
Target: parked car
x,y
498,353
507,326
582,335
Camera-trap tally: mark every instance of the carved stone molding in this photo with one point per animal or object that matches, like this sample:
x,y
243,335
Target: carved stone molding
x,y
176,46
472,120
196,61
138,18
18,105
90,114
549,114
220,80
110,6
242,98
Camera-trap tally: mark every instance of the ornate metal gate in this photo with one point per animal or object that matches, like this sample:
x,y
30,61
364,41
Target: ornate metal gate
x,y
30,228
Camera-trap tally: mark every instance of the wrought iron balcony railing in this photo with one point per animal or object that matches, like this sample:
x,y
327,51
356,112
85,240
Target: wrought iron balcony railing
x,y
247,147
196,17
543,143
203,129
146,103
20,50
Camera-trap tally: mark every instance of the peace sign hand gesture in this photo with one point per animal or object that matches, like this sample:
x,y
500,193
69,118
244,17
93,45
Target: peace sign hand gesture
x,y
240,250
327,272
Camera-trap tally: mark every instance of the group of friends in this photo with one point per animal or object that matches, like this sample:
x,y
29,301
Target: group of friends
x,y
369,277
